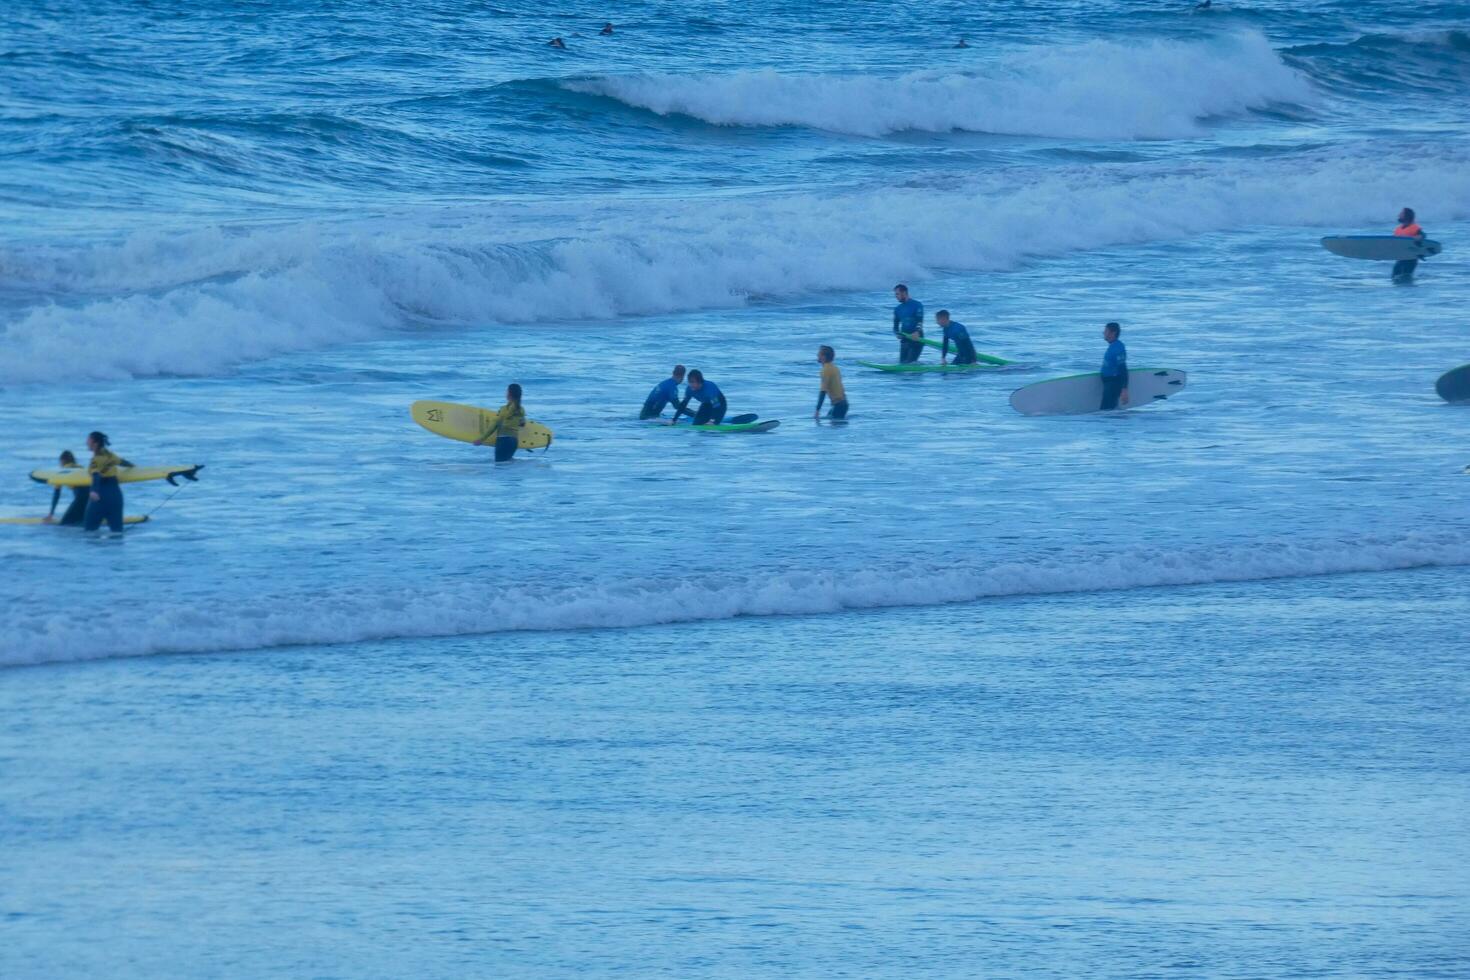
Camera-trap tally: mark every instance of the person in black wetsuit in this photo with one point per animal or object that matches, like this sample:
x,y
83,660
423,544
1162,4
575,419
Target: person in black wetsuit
x,y
105,499
1114,370
77,509
666,392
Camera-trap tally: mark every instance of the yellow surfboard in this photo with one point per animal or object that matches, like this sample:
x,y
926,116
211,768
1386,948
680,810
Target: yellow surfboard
x,y
466,423
79,477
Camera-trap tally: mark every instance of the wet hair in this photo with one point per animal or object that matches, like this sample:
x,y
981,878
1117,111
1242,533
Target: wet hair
x,y
941,313
1409,214
696,375
678,370
514,391
826,353
100,438
67,459
902,286
1113,326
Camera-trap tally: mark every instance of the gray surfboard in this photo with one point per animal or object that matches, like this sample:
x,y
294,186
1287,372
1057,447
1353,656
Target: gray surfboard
x,y
1380,248
1082,393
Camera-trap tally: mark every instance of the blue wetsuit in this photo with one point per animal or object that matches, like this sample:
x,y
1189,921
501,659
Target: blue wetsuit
x,y
666,392
964,350
712,405
908,317
1114,374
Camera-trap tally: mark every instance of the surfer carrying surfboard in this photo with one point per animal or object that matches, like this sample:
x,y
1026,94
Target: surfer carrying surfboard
x,y
506,427
77,509
712,406
666,392
908,324
1114,369
1403,269
955,332
105,500
831,385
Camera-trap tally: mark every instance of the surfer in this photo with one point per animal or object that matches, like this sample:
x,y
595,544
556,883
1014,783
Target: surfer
x,y
711,400
606,29
908,324
963,44
1403,269
831,385
105,500
77,509
507,426
954,330
666,392
1114,369
557,43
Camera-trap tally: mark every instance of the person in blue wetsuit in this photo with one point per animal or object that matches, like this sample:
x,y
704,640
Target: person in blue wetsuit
x,y
666,392
955,332
77,509
1114,369
105,500
711,400
908,324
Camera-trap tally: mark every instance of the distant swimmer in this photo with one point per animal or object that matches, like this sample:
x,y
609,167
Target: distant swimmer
x,y
1114,370
908,324
105,500
1403,270
666,392
77,509
557,43
831,385
954,331
712,406
506,429
1202,5
962,44
606,29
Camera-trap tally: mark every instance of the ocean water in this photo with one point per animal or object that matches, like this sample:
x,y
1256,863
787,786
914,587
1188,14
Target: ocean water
x,y
734,698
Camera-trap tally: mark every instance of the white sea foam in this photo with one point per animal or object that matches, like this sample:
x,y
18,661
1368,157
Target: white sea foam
x,y
349,615
1098,90
203,302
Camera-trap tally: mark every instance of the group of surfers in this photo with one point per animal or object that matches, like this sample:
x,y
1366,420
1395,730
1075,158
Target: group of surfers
x,y
99,500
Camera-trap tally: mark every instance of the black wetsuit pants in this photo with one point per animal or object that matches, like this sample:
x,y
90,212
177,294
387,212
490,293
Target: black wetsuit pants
x,y
710,413
109,508
908,350
76,511
1404,269
505,448
1112,390
839,410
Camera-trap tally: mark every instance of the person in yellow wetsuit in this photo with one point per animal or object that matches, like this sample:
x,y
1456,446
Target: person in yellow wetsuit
x,y
105,501
506,428
831,385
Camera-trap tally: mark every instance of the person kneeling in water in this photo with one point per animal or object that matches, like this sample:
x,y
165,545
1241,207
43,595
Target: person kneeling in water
x,y
954,330
105,501
77,509
711,400
506,429
666,392
831,385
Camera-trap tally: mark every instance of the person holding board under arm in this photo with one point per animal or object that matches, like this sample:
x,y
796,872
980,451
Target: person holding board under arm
x,y
831,385
711,400
1114,370
955,332
506,429
666,392
105,500
1403,269
908,324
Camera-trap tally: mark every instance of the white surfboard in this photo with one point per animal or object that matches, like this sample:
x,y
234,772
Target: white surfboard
x,y
1082,393
1380,248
